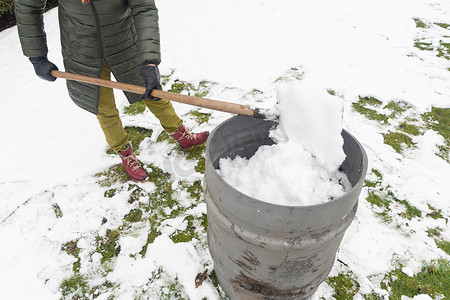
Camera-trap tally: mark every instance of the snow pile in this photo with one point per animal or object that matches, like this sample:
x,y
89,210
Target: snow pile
x,y
302,169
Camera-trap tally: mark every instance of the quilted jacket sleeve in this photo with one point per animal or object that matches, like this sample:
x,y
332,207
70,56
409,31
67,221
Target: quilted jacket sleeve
x,y
30,24
145,16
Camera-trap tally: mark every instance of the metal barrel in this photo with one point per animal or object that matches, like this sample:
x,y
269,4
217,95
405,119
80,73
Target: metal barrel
x,y
268,251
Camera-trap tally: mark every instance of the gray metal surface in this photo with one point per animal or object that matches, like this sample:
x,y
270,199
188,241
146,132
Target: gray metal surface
x,y
267,251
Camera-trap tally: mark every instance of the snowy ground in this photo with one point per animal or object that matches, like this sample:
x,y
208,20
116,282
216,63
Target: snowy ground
x,y
65,231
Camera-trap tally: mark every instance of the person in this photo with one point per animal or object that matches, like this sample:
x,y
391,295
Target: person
x,y
99,37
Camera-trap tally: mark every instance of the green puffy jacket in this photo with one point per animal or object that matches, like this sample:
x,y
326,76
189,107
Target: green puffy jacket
x,y
122,33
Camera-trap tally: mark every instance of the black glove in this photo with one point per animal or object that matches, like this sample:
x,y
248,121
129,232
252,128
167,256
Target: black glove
x,y
151,77
43,67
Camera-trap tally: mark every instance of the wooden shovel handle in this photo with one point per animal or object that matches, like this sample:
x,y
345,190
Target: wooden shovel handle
x,y
196,101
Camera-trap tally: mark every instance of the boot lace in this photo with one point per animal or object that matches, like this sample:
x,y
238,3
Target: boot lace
x,y
187,135
132,162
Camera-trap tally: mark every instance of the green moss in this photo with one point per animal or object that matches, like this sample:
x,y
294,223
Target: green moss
x,y
135,108
433,280
110,193
108,246
420,23
362,106
200,167
344,285
434,232
444,245
135,215
398,141
444,50
57,210
200,117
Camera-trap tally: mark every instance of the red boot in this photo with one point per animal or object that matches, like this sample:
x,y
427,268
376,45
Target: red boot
x,y
188,140
131,164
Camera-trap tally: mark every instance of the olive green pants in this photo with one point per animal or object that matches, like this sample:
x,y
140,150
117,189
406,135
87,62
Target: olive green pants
x,y
108,116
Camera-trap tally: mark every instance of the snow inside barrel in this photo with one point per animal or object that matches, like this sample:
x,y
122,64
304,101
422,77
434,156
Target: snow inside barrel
x,y
263,250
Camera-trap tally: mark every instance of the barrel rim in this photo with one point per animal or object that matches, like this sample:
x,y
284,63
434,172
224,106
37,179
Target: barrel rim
x,y
354,188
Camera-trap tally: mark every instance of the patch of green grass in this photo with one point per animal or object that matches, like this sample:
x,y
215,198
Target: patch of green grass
x,y
410,210
136,193
331,92
110,193
57,210
438,120
292,74
397,108
444,50
196,153
420,23
433,280
424,46
195,190
362,106
135,215
135,108
136,136
108,246
71,248
200,117
375,199
204,87
344,285
179,86
409,128
152,235
200,167
75,287
164,136
115,174
378,181
186,235
373,296
398,141
443,25
435,213
444,245
434,232
204,222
